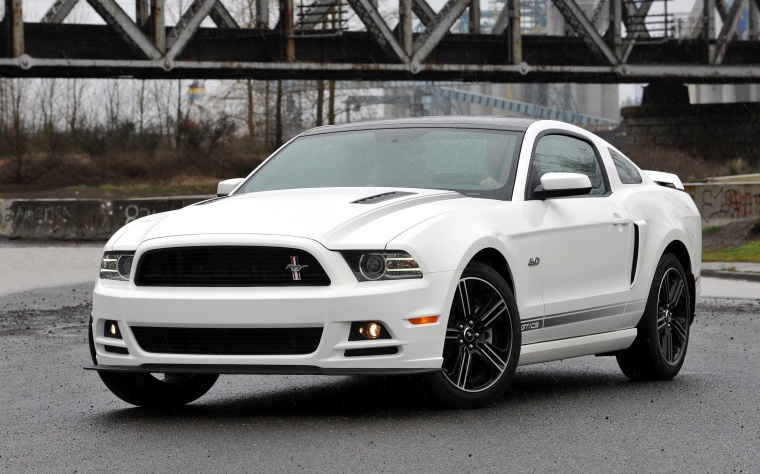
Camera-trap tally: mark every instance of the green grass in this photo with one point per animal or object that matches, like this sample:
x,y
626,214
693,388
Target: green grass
x,y
746,253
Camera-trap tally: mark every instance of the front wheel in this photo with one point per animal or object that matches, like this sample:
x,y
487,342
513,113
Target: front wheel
x,y
663,332
158,390
483,339
154,390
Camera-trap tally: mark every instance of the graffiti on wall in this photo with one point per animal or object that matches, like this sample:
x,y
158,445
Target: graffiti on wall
x,y
35,214
726,202
77,219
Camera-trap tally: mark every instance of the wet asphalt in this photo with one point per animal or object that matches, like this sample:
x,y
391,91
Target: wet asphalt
x,y
578,415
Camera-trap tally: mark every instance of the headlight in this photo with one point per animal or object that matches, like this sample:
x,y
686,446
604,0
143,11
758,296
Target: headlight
x,y
369,265
116,265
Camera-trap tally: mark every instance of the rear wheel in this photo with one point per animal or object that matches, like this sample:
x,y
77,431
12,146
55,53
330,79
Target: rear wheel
x,y
154,390
482,343
663,333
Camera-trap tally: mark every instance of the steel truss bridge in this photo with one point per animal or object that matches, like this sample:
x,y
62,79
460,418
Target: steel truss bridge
x,y
330,39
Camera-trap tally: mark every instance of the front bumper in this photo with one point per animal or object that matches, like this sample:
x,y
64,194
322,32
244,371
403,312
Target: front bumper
x,y
332,307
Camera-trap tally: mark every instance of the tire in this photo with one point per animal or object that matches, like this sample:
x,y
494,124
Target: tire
x,y
659,350
154,390
482,344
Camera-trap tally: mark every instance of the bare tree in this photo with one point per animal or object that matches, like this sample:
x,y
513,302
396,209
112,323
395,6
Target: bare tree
x,y
72,105
15,133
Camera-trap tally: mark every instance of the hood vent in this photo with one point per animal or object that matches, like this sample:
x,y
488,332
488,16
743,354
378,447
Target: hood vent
x,y
382,197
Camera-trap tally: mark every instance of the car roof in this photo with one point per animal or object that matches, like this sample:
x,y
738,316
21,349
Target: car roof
x,y
455,121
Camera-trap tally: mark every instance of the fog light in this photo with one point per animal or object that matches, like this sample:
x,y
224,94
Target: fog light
x,y
374,330
112,330
367,330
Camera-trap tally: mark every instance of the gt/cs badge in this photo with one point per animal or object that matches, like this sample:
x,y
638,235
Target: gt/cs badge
x,y
534,261
295,268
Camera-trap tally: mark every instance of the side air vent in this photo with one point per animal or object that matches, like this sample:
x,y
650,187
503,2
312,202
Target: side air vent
x,y
382,197
635,252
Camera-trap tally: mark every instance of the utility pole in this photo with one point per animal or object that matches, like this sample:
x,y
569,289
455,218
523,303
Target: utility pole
x,y
320,101
278,116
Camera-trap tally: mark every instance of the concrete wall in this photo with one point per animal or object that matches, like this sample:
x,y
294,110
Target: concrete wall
x,y
713,131
721,203
91,219
79,219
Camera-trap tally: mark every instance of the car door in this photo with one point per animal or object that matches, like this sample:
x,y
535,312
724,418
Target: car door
x,y
584,241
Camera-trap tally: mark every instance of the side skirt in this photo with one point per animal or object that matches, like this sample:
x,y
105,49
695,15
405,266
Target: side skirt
x,y
576,347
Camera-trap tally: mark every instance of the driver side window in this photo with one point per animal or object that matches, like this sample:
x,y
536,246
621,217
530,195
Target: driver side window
x,y
564,154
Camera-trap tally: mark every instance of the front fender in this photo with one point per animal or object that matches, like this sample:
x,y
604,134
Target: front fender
x,y
449,242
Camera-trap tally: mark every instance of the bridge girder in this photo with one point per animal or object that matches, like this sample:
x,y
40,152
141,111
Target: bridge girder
x,y
142,46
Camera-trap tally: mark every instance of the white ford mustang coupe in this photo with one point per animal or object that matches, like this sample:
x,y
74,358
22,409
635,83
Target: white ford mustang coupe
x,y
454,248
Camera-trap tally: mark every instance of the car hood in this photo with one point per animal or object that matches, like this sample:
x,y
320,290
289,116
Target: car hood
x,y
336,217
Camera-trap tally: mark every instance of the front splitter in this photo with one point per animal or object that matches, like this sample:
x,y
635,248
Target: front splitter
x,y
252,369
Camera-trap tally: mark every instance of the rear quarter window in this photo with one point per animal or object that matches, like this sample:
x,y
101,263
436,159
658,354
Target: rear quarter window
x,y
626,170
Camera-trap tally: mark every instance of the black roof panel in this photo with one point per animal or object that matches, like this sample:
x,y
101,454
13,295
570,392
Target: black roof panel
x,y
458,121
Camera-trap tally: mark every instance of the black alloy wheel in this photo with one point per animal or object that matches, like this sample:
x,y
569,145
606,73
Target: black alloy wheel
x,y
659,350
482,342
672,316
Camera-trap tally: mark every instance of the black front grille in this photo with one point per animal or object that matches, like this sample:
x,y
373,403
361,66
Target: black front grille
x,y
228,341
229,266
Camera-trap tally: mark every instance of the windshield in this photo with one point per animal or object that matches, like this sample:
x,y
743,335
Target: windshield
x,y
472,162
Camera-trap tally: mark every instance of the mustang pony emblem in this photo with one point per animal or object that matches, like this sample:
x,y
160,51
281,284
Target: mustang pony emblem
x,y
295,268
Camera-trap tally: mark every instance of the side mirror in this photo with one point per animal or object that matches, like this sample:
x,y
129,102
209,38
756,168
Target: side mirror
x,y
225,187
562,185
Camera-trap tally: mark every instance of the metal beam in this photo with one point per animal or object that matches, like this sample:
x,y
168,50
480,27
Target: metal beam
x,y
596,15
262,14
634,19
405,25
722,7
424,12
578,21
708,21
14,27
616,21
434,33
502,21
222,17
59,11
754,26
515,30
474,19
45,67
728,30
186,27
379,30
288,31
156,24
142,11
125,27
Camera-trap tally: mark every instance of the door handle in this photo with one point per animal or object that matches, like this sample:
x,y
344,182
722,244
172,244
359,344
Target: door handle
x,y
621,221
